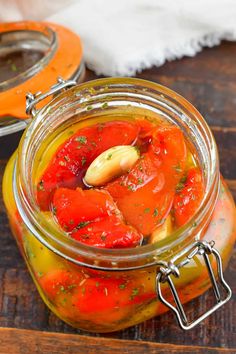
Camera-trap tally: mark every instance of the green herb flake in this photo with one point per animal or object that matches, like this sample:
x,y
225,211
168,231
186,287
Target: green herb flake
x,y
155,213
31,254
130,188
109,156
97,284
62,288
83,161
194,224
179,187
13,67
138,150
140,181
54,210
134,293
103,236
89,108
122,286
40,274
85,236
82,224
105,105
183,179
140,168
181,184
147,210
72,286
82,139
222,189
91,90
41,186
177,168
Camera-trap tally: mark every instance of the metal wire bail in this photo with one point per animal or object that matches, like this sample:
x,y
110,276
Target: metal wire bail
x,y
33,99
204,249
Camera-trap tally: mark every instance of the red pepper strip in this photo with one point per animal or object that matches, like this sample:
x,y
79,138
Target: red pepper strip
x,y
93,218
59,281
101,294
145,195
73,157
103,298
108,232
188,196
76,208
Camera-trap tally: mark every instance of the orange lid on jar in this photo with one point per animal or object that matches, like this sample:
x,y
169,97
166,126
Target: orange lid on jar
x,y
32,56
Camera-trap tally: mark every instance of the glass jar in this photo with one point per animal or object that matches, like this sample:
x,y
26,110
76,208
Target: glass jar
x,y
32,56
89,284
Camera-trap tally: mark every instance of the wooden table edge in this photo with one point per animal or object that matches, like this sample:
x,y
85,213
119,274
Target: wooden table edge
x,y
13,340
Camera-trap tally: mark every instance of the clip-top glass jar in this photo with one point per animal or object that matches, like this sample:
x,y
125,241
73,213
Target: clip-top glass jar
x,y
104,290
32,56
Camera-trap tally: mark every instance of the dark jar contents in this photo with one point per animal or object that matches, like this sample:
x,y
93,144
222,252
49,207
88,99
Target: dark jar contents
x,y
110,190
15,63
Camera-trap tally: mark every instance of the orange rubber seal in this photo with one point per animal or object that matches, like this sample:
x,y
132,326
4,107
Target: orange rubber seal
x,y
65,62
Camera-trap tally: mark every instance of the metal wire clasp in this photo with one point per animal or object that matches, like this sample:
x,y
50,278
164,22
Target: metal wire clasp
x,y
33,99
204,249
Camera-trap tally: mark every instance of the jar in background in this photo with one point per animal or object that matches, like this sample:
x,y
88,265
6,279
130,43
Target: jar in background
x,y
32,56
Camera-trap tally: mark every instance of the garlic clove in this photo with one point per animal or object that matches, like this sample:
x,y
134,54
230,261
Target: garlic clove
x,y
110,164
162,231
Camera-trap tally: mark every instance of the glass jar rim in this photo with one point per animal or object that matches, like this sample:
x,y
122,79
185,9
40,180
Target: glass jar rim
x,y
42,30
117,259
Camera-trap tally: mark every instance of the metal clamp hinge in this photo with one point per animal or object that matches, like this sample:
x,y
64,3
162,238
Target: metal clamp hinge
x,y
203,249
33,99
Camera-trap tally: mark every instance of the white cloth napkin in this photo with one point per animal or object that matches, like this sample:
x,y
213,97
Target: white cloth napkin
x,y
122,37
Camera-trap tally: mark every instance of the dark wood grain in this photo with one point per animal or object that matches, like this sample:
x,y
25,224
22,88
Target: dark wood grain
x,y
209,82
16,341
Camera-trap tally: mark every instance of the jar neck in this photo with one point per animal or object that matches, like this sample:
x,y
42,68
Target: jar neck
x,y
120,95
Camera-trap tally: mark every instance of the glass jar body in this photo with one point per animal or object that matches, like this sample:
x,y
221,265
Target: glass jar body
x,y
114,300
78,291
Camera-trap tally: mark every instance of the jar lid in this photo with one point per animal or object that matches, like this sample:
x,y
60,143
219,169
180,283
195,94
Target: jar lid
x,y
32,56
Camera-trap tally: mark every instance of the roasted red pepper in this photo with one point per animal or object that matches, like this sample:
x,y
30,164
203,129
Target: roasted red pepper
x,y
75,155
59,281
145,195
94,294
101,294
131,206
92,217
189,194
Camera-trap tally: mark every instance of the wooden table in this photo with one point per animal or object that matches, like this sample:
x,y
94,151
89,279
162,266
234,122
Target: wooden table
x,y
209,82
